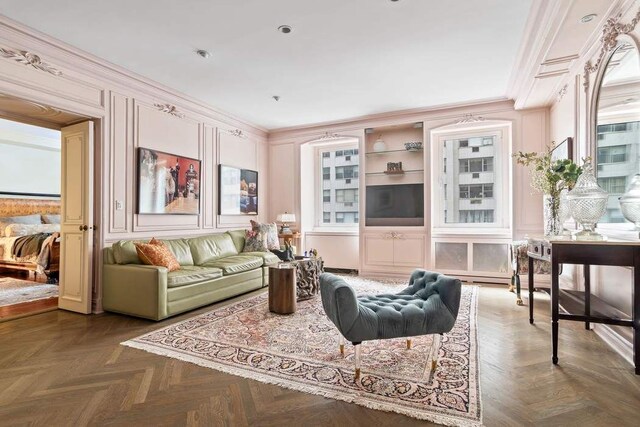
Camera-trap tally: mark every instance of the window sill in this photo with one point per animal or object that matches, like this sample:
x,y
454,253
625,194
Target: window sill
x,y
332,232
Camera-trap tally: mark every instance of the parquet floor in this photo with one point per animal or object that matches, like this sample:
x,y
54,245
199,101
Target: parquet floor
x,y
65,369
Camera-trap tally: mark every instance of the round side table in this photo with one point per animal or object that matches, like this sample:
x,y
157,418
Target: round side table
x,y
282,289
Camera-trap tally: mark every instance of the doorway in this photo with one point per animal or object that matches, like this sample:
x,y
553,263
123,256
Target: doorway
x,y
46,210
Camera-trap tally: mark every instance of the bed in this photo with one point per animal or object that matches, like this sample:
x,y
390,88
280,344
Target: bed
x,y
30,236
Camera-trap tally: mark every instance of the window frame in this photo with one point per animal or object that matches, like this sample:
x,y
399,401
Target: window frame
x,y
502,171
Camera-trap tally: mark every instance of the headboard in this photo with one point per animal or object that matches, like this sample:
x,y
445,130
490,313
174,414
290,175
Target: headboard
x,y
15,207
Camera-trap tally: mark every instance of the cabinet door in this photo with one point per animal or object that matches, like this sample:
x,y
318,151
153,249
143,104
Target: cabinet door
x,y
409,250
378,249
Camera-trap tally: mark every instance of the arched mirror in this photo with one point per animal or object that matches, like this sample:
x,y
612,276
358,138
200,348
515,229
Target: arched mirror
x,y
617,125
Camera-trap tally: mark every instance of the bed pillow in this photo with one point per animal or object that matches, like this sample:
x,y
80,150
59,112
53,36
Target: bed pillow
x,y
21,219
157,253
255,241
270,231
50,219
14,230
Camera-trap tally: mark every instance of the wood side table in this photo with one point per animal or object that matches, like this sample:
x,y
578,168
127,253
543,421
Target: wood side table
x,y
282,290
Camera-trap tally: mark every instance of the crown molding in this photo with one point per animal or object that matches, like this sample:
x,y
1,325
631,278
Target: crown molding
x,y
68,56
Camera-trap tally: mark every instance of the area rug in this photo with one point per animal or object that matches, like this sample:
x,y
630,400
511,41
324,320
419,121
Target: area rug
x,y
301,352
15,291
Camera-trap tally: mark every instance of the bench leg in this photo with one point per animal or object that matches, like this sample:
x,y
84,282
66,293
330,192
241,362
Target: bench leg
x,y
357,357
341,344
434,351
408,344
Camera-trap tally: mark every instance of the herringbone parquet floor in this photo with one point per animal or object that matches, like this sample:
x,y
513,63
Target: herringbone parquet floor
x,y
64,369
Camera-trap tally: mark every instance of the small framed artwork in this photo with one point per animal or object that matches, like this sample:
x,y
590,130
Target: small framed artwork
x,y
563,151
237,191
167,183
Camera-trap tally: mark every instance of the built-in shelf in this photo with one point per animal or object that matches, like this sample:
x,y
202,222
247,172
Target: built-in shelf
x,y
393,151
394,172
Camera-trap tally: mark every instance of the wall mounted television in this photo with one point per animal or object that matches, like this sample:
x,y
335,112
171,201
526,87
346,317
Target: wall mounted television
x,y
395,205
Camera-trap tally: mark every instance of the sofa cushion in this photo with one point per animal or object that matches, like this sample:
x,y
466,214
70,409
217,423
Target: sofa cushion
x,y
211,247
236,264
180,248
157,253
124,252
190,274
238,239
268,257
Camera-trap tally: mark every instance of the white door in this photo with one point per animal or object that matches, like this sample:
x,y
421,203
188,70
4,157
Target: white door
x,y
77,218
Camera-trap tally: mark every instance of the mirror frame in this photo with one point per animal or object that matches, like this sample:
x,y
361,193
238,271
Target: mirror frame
x,y
613,34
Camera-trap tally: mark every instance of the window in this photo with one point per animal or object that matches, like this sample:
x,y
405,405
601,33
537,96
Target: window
x,y
481,164
613,184
346,172
347,195
337,198
617,149
472,176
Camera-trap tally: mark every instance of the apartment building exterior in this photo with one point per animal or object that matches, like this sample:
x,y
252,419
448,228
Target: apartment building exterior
x,y
340,169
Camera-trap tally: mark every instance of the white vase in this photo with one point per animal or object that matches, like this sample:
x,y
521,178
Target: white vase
x,y
379,145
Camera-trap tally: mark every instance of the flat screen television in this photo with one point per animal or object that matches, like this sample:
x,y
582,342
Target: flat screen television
x,y
395,205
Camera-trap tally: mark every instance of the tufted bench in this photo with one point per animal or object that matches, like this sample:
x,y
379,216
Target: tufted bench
x,y
429,305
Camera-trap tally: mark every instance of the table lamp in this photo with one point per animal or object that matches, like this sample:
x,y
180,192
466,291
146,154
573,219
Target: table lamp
x,y
285,219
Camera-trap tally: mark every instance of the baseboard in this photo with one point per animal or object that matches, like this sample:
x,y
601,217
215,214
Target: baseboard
x,y
623,347
342,270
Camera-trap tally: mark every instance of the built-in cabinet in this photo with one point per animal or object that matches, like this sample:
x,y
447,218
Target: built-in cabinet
x,y
400,250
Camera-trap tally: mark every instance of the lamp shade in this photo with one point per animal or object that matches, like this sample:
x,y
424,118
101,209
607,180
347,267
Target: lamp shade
x,y
286,217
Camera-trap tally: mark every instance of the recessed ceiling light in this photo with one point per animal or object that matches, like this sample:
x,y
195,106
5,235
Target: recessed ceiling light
x,y
588,18
203,53
276,97
285,29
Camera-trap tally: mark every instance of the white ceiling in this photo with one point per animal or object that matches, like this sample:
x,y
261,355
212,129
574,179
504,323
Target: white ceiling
x,y
344,58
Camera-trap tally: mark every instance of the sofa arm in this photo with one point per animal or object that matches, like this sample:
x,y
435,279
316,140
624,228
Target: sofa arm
x,y
135,289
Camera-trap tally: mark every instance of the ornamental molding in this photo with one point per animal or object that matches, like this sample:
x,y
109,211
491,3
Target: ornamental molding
x,y
610,32
170,109
329,136
237,133
469,118
29,59
562,92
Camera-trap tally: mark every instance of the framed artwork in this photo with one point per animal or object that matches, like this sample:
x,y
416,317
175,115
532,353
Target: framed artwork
x,y
167,183
564,150
237,191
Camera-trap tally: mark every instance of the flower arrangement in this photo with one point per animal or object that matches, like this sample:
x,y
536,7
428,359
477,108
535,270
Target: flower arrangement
x,y
550,177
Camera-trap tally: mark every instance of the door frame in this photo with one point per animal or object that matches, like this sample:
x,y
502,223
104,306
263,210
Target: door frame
x,y
99,118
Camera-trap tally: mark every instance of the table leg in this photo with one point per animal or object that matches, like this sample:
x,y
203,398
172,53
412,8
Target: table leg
x,y
555,290
636,309
531,290
587,294
518,291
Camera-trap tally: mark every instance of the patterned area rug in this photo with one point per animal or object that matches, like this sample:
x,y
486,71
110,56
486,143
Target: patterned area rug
x,y
300,351
15,291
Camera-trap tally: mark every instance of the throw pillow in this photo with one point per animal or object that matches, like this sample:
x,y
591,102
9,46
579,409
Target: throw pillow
x,y
255,241
157,253
270,231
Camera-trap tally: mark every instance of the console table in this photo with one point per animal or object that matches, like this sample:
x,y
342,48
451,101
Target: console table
x,y
582,306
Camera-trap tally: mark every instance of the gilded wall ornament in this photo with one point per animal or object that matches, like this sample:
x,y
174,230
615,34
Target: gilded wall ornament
x,y
30,59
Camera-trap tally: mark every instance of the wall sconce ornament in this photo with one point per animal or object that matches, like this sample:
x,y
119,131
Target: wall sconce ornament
x,y
170,109
237,133
30,59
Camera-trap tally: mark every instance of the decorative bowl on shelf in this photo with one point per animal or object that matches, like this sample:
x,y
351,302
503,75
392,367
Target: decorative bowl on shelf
x,y
413,146
379,145
630,202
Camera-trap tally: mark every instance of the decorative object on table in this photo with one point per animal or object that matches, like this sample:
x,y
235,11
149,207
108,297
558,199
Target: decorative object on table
x,y
630,202
296,352
286,254
413,146
270,231
308,273
167,183
588,202
379,145
550,177
394,168
286,218
237,191
313,253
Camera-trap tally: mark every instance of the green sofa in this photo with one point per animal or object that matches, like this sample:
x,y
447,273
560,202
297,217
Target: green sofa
x,y
212,268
